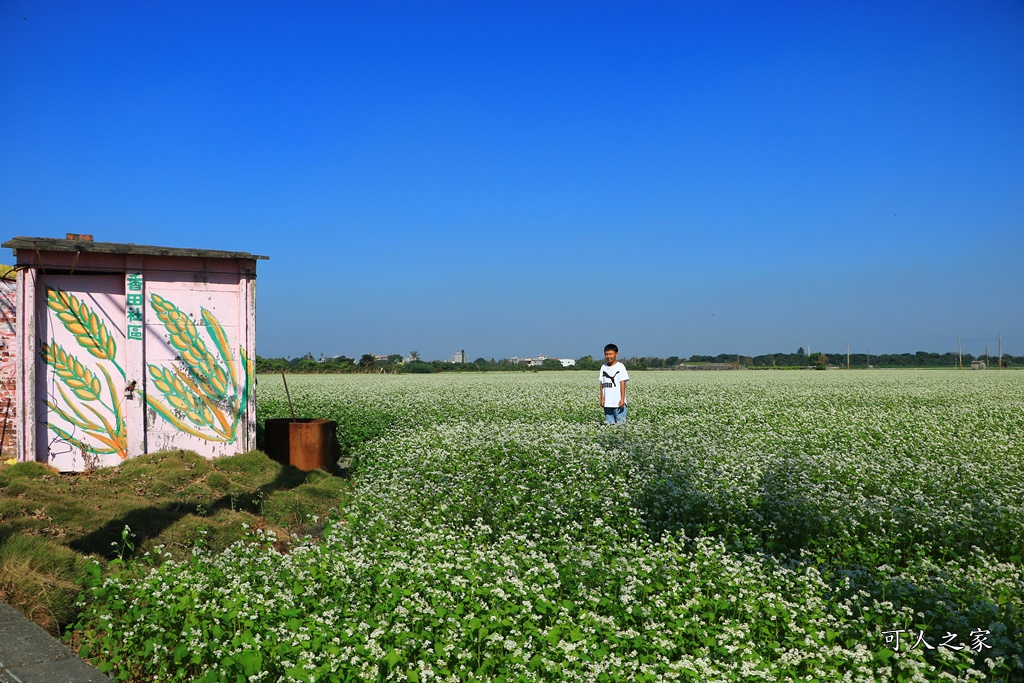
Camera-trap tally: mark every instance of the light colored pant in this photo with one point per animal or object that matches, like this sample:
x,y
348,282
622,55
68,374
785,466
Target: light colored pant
x,y
615,415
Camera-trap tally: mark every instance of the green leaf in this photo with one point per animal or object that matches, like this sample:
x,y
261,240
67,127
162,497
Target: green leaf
x,y
251,661
297,674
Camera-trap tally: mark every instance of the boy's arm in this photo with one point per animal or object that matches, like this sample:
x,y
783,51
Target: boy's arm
x,y
622,390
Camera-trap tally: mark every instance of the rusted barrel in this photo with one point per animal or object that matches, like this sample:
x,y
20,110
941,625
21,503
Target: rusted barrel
x,y
304,443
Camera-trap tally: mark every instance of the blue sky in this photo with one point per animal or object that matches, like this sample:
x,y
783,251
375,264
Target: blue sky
x,y
521,178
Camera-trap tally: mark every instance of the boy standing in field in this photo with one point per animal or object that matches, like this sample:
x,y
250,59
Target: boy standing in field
x,y
613,386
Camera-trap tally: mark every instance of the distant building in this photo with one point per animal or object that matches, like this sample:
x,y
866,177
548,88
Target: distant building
x,y
977,365
459,357
539,359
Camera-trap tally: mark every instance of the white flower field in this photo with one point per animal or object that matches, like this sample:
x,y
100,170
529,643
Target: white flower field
x,y
743,526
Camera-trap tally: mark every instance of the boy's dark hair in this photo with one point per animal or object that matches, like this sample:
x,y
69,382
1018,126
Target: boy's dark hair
x,y
611,347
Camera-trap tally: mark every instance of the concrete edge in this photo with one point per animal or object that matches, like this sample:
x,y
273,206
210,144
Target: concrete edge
x,y
28,654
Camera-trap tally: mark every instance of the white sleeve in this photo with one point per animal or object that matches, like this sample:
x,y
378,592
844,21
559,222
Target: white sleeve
x,y
625,375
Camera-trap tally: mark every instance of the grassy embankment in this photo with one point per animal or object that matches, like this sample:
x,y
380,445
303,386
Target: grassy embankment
x,y
52,523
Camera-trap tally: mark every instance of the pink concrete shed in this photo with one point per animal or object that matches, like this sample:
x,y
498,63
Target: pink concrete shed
x,y
124,349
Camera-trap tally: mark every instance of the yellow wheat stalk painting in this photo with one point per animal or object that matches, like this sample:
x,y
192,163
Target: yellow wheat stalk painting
x,y
83,403
70,370
185,339
204,398
81,321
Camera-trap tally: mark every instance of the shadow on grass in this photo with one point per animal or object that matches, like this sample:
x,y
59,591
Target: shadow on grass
x,y
51,523
149,522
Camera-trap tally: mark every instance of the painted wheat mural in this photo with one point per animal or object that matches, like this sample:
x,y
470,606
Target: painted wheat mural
x,y
89,403
204,396
203,392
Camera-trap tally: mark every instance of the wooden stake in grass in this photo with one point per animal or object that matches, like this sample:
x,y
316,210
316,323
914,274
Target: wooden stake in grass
x,y
288,394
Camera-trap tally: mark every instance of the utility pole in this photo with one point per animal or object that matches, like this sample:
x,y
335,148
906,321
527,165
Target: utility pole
x,y
1000,352
960,352
847,355
987,361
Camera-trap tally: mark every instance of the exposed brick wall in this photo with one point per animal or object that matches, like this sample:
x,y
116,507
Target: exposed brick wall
x,y
8,367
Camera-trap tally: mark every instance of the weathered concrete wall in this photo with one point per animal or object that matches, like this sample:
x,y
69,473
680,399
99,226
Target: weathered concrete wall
x,y
8,366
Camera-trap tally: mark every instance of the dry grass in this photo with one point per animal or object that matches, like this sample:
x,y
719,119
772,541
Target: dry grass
x,y
50,523
45,597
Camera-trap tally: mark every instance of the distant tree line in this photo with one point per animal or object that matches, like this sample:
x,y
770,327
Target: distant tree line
x,y
800,359
368,363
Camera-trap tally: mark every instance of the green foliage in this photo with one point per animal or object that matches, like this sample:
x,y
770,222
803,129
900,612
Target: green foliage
x,y
742,526
253,463
24,470
218,481
50,523
342,364
418,368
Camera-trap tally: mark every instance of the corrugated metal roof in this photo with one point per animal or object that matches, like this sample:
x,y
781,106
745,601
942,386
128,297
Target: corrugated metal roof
x,y
55,244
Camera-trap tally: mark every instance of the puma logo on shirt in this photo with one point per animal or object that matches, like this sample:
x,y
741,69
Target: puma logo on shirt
x,y
613,379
